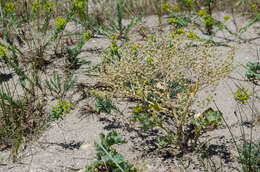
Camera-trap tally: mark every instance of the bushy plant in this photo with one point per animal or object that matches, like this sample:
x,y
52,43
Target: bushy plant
x,y
145,72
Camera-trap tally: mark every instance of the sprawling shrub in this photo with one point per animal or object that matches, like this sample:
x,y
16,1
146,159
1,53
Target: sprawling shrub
x,y
164,74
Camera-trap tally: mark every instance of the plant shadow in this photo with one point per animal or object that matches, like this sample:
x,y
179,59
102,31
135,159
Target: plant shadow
x,y
217,150
71,145
5,77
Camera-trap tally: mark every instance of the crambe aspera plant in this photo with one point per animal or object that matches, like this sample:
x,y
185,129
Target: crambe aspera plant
x,y
164,76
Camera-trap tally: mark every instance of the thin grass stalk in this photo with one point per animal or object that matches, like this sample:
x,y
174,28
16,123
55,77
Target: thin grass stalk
x,y
229,129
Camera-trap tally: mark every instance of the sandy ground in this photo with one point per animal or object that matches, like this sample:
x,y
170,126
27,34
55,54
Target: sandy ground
x,y
68,145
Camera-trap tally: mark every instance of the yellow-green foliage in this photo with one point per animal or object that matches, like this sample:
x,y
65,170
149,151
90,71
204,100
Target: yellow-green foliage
x,y
159,60
242,95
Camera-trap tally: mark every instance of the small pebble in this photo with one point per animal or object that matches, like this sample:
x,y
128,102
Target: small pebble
x,y
85,146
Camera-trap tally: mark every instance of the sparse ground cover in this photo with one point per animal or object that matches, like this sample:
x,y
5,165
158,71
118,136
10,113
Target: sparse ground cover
x,y
173,85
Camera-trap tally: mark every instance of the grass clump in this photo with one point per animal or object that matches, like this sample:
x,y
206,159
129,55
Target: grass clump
x,y
143,74
25,49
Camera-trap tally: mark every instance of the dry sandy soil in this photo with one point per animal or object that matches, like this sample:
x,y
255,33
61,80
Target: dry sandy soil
x,y
68,145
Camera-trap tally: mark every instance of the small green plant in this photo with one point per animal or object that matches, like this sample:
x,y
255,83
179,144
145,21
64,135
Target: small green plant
x,y
74,62
59,27
253,72
209,22
108,159
176,19
179,21
104,104
143,114
58,112
12,113
209,120
250,157
58,88
242,95
114,47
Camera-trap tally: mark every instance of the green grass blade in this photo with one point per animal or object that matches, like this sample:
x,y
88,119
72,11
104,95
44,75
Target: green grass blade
x,y
119,14
132,24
